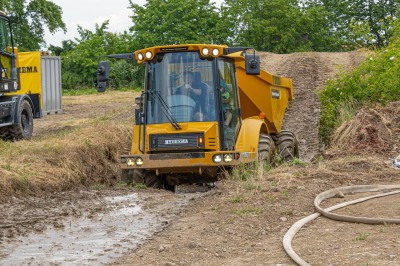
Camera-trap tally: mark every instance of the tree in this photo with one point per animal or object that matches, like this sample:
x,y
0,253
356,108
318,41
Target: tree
x,y
29,19
80,58
360,22
67,45
280,26
163,22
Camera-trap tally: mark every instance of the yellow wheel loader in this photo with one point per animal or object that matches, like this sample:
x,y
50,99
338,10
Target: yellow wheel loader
x,y
203,108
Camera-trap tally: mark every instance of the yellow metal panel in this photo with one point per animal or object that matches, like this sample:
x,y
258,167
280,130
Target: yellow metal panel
x,y
29,66
210,129
256,96
249,133
179,47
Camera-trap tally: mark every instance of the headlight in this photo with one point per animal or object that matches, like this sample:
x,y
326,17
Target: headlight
x,y
217,158
149,55
130,162
139,161
228,158
140,56
205,51
215,52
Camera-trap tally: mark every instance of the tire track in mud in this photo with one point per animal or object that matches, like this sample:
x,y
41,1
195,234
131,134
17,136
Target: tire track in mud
x,y
303,114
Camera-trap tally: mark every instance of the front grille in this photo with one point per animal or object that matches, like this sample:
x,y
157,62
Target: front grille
x,y
176,141
180,155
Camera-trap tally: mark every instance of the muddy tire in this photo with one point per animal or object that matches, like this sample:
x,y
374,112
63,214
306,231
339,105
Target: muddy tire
x,y
148,178
287,144
126,177
266,148
4,133
24,128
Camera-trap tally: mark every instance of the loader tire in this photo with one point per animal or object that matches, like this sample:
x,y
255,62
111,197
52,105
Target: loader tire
x,y
287,144
24,128
4,133
148,178
266,148
126,177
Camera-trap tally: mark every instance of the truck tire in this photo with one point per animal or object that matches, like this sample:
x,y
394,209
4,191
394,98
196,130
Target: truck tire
x,y
266,148
24,128
148,178
287,144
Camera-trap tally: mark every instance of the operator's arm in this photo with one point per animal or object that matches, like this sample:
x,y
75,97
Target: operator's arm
x,y
195,91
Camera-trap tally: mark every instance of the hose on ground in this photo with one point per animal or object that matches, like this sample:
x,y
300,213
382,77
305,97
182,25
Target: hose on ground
x,y
287,239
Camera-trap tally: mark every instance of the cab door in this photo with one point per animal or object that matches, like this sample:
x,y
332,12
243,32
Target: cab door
x,y
229,103
7,57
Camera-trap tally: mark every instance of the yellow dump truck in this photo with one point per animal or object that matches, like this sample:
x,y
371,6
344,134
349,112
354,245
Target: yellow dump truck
x,y
30,86
203,108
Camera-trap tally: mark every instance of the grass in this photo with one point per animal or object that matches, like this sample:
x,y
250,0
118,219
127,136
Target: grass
x,y
82,157
247,211
361,237
140,186
90,91
236,199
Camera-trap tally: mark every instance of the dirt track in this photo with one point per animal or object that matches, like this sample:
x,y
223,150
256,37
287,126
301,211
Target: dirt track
x,y
239,222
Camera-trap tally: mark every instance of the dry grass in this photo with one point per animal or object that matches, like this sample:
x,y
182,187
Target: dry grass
x,y
82,155
367,131
101,98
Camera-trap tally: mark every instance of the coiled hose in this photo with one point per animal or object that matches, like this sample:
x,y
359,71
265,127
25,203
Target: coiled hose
x,y
387,189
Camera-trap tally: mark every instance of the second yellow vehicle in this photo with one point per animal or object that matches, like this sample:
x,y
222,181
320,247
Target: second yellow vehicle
x,y
203,108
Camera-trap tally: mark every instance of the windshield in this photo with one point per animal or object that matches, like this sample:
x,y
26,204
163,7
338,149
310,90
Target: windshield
x,y
5,40
184,85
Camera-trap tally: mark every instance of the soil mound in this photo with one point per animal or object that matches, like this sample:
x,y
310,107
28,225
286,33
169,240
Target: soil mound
x,y
309,72
368,131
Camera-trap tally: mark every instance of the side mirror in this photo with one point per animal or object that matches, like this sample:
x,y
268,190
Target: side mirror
x,y
101,86
103,71
252,64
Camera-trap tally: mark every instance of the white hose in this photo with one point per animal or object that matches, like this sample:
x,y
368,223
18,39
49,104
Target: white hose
x,y
287,239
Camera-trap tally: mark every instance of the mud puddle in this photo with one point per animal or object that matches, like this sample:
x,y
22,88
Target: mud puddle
x,y
98,238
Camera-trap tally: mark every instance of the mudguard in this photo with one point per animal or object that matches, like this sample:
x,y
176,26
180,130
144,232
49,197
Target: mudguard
x,y
18,100
249,134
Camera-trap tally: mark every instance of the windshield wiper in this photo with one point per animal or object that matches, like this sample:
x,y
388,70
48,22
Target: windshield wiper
x,y
165,108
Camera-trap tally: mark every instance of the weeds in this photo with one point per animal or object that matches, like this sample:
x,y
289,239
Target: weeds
x,y
7,167
361,236
271,199
99,186
297,161
248,211
285,194
236,199
140,186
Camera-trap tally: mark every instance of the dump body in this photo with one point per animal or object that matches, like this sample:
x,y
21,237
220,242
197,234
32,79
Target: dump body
x,y
264,93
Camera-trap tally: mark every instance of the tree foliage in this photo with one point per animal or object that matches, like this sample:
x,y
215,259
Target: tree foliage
x,y
29,18
163,22
357,23
281,26
80,58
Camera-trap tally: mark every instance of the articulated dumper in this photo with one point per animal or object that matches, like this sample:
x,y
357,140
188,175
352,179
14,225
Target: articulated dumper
x,y
203,108
30,86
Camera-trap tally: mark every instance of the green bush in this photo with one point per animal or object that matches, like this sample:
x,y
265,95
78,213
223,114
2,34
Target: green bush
x,y
376,81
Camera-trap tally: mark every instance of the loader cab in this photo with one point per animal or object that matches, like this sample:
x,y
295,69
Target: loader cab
x,y
8,79
185,88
